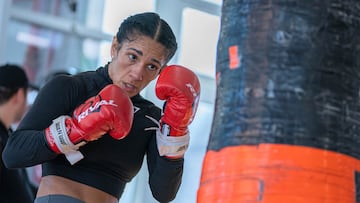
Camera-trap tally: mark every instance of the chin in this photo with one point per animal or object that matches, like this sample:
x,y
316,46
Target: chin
x,y
131,95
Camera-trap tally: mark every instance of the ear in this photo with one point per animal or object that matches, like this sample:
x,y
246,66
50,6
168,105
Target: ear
x,y
19,96
114,45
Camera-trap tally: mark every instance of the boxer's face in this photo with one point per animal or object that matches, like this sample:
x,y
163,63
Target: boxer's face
x,y
135,63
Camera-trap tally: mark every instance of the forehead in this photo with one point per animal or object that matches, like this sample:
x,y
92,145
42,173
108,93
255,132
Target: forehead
x,y
147,46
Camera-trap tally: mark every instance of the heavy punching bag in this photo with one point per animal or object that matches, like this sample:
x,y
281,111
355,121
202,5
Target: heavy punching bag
x,y
286,126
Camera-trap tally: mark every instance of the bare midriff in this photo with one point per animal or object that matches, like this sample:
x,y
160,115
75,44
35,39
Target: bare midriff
x,y
51,185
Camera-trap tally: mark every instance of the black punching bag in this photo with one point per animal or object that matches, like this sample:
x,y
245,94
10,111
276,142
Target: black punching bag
x,y
286,127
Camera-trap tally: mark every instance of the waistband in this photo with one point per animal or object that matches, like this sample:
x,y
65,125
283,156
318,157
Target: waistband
x,y
57,199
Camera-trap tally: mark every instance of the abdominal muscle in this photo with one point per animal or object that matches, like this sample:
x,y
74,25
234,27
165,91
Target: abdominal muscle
x,y
51,185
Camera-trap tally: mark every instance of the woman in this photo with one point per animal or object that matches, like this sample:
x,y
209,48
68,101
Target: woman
x,y
103,165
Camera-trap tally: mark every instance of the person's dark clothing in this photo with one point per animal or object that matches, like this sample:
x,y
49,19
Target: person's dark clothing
x,y
108,164
15,185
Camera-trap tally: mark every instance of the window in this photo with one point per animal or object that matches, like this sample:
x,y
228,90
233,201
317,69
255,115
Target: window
x,y
199,38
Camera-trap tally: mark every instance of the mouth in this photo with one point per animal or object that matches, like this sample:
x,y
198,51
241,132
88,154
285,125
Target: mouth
x,y
129,87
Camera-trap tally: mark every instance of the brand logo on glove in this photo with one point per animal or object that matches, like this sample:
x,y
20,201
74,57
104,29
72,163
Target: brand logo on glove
x,y
192,89
196,99
60,133
182,148
95,108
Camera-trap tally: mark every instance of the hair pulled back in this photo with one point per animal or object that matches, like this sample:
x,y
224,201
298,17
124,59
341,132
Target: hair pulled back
x,y
148,24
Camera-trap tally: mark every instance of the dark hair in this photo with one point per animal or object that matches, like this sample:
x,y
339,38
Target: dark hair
x,y
12,78
151,25
7,93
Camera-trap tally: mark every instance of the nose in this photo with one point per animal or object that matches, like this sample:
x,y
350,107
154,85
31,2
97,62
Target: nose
x,y
137,72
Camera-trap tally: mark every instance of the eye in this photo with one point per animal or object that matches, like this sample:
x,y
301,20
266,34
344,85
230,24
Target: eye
x,y
132,57
152,67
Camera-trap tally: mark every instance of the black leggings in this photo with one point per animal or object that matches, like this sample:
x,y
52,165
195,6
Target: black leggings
x,y
57,199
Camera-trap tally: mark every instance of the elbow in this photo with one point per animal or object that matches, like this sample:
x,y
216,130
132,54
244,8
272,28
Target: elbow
x,y
8,160
11,156
164,193
162,197
165,183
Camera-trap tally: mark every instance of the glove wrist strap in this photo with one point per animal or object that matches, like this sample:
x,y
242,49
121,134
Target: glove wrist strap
x,y
172,146
62,140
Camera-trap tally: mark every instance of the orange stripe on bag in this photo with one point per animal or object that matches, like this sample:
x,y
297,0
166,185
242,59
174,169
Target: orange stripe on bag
x,y
275,173
234,60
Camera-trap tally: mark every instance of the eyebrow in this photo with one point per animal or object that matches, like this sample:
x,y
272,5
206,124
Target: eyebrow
x,y
141,53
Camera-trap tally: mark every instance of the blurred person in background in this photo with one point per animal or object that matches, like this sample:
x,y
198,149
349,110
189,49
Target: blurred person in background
x,y
15,185
92,130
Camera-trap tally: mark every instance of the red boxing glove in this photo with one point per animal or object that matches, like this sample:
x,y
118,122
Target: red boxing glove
x,y
111,111
180,87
